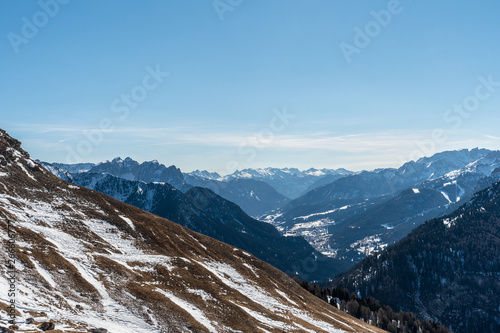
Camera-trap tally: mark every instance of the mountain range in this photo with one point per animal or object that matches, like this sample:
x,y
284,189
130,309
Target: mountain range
x,y
256,191
343,215
360,213
290,182
86,262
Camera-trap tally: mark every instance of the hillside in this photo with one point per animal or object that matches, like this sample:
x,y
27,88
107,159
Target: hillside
x,y
85,260
447,269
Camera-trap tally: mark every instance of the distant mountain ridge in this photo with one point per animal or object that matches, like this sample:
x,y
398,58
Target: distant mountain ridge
x,y
149,172
290,182
255,197
247,188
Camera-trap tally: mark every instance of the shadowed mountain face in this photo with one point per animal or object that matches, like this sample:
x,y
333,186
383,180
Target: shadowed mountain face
x,y
86,260
447,269
255,197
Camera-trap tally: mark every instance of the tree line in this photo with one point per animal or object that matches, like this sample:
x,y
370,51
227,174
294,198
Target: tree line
x,y
369,310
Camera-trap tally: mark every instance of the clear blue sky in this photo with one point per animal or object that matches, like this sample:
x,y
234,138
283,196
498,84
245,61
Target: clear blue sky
x,y
228,78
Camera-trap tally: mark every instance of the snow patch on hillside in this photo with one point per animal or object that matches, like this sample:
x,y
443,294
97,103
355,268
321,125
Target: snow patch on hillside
x,y
129,221
194,311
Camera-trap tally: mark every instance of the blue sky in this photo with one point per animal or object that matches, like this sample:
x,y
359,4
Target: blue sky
x,y
250,83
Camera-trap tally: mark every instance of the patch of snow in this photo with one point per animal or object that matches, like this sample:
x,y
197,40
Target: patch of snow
x,y
316,173
305,217
202,293
199,243
25,171
461,193
448,223
129,221
194,311
30,162
446,196
264,320
282,294
46,276
15,152
252,269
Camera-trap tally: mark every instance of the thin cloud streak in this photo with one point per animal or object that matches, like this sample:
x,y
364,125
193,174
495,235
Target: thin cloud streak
x,y
188,144
198,135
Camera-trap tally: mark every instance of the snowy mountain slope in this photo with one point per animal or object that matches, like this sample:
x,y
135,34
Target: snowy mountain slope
x,y
58,171
85,260
202,174
391,220
369,184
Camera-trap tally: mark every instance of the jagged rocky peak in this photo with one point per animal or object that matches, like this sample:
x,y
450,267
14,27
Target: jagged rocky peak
x,y
10,149
15,161
150,171
205,174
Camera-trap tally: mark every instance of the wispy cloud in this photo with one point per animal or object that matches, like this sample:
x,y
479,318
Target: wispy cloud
x,y
396,140
364,150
